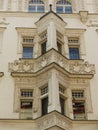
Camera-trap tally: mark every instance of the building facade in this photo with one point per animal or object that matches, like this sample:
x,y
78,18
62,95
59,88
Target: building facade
x,y
48,68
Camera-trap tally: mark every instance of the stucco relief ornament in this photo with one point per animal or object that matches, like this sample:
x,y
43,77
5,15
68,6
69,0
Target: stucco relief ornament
x,y
60,61
44,62
3,21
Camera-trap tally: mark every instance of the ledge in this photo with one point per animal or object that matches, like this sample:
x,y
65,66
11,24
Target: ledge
x,y
52,58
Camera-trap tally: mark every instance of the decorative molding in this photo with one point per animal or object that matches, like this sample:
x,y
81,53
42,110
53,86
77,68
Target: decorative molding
x,y
73,67
83,16
3,21
54,119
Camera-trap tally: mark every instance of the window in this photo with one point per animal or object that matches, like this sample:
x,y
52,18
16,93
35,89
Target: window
x,y
26,103
44,106
27,40
74,47
44,100
74,53
61,89
27,45
62,103
43,48
78,104
62,99
63,6
59,46
44,90
27,52
36,6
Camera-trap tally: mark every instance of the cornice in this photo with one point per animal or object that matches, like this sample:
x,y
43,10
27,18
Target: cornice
x,y
28,31
50,67
78,30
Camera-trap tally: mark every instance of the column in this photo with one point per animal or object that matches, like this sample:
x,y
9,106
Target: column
x,y
51,40
54,103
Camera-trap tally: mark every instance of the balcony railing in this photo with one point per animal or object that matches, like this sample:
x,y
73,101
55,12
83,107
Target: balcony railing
x,y
52,56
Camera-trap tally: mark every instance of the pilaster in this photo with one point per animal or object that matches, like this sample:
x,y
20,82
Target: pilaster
x,y
54,103
51,33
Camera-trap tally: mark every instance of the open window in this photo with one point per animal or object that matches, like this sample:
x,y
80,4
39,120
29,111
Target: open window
x,y
26,103
44,100
78,104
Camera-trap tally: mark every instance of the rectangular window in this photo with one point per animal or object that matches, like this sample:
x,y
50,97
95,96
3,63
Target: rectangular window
x,y
44,90
78,109
61,89
59,9
32,8
78,94
26,109
26,103
73,41
44,106
26,93
43,48
68,9
27,52
78,103
27,40
74,53
59,46
40,8
62,103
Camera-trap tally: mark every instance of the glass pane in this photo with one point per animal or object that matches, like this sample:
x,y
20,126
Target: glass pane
x,y
32,8
68,9
26,105
40,8
59,9
27,52
74,53
36,2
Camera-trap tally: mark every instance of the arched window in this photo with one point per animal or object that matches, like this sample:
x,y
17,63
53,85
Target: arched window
x,y
64,6
36,6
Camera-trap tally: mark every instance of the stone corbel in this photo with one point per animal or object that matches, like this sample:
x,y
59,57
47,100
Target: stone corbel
x,y
83,16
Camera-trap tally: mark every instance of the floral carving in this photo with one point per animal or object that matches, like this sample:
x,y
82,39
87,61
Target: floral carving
x,y
34,65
